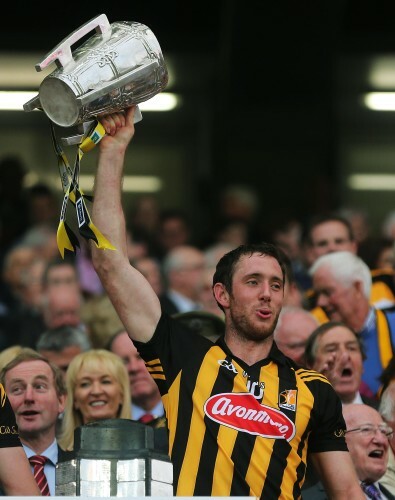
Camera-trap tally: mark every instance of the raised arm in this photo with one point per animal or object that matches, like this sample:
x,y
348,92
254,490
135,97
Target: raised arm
x,y
132,296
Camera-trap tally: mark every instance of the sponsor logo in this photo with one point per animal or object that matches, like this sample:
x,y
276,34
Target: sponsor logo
x,y
228,365
242,412
5,429
95,137
339,433
256,388
80,212
287,399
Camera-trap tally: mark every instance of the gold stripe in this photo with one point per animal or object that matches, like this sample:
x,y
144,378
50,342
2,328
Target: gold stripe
x,y
193,453
383,336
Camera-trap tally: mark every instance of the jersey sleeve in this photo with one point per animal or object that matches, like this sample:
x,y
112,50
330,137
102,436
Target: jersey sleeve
x,y
171,348
328,425
9,435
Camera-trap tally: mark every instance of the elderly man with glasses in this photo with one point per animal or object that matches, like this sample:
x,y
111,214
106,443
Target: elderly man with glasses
x,y
367,438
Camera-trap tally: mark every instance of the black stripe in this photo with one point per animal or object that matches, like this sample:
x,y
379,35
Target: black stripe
x,y
205,473
242,456
281,448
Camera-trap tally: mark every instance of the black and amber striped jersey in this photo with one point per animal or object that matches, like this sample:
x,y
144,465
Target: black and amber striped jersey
x,y
235,429
9,435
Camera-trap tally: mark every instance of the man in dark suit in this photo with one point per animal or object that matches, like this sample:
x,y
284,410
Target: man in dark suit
x,y
183,270
147,406
36,390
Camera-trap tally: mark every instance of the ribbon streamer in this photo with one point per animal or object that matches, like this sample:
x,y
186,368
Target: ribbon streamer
x,y
66,239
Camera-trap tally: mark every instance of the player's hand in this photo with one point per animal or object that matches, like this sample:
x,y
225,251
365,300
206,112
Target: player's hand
x,y
119,129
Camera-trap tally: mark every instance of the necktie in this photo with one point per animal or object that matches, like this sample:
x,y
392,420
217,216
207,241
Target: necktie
x,y
371,490
38,461
146,418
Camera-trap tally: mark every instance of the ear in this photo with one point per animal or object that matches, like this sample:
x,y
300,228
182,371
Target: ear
x,y
221,295
359,287
62,403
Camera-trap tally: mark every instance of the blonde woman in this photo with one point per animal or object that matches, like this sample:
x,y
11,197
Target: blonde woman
x,y
97,388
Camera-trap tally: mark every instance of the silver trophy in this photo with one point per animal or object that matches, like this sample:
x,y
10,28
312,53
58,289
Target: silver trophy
x,y
115,457
118,66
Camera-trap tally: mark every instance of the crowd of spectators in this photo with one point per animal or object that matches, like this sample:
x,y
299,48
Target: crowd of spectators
x,y
58,326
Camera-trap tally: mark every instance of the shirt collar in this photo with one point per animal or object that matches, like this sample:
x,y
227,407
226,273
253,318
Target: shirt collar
x,y
369,322
157,411
51,452
274,354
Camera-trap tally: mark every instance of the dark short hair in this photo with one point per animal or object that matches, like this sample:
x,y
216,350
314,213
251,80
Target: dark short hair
x,y
226,266
312,341
318,219
57,262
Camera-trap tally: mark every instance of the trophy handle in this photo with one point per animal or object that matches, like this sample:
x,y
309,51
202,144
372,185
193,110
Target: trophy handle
x,y
61,54
34,103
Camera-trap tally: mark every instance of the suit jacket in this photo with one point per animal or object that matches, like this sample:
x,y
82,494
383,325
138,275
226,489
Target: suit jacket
x,y
168,305
161,434
374,403
65,456
317,492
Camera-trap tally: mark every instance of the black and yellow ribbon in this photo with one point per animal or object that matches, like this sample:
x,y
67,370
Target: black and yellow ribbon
x,y
66,238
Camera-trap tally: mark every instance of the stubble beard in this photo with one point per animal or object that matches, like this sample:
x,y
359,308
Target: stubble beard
x,y
245,329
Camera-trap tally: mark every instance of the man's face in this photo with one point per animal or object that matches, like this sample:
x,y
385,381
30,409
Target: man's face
x,y
142,386
337,300
188,277
256,298
30,387
339,348
63,308
292,333
369,450
328,237
62,275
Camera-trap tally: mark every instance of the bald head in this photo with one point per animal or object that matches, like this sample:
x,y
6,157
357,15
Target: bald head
x,y
294,327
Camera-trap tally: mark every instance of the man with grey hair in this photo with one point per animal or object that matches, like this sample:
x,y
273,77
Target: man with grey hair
x,y
342,283
60,345
183,270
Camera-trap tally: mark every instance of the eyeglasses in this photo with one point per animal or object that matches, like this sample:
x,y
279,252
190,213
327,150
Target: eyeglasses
x,y
369,430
